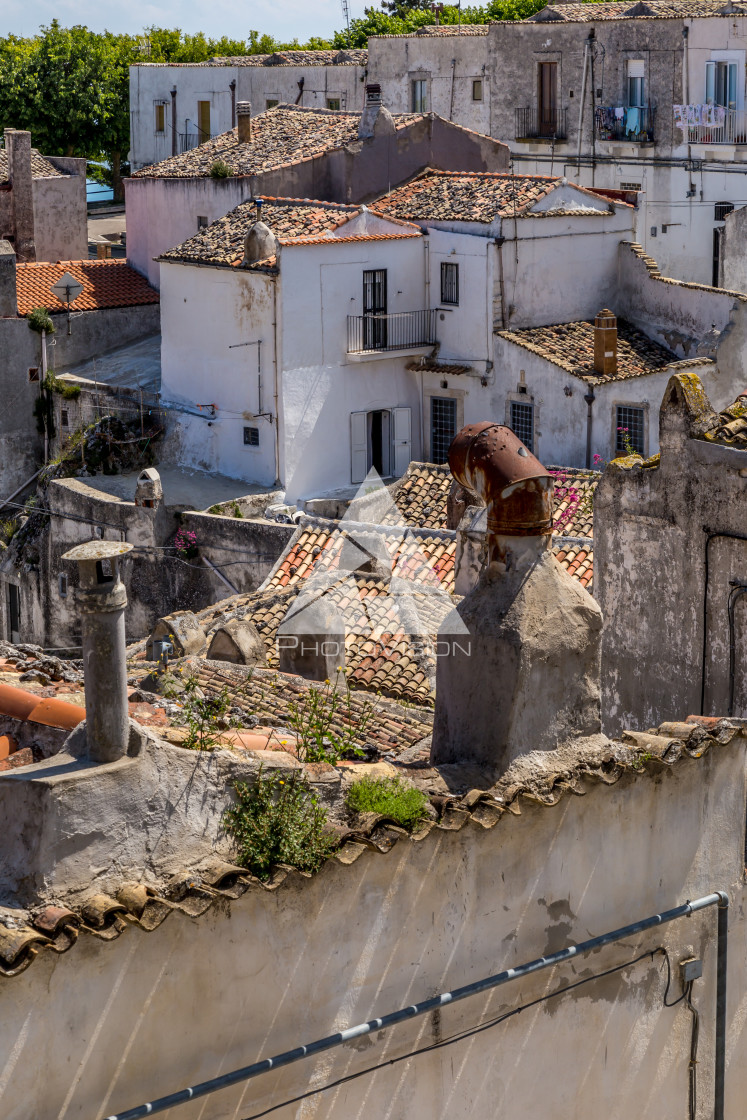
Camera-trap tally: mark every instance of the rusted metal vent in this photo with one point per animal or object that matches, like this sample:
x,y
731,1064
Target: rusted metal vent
x,y
373,93
490,460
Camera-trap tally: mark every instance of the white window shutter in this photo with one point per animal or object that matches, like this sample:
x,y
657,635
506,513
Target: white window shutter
x,y
401,439
710,83
358,446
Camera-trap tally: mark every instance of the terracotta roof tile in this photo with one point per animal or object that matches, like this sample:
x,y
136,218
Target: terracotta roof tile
x,y
464,196
573,513
728,427
40,167
442,31
578,561
629,9
108,283
420,497
281,137
571,347
346,57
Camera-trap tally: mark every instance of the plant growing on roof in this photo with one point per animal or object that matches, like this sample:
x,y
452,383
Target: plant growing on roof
x,y
220,170
326,726
278,820
40,320
185,543
206,718
391,797
626,441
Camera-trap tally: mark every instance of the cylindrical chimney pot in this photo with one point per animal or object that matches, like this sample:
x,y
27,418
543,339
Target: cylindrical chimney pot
x,y
244,121
101,598
605,343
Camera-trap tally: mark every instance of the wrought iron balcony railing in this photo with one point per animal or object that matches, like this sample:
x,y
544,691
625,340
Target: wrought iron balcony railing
x,y
541,124
711,124
620,122
403,330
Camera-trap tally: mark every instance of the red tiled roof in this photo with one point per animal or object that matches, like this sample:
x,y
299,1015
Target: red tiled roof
x,y
40,167
293,220
466,196
108,283
571,347
578,561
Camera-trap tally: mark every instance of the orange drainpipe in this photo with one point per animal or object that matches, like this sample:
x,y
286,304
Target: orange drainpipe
x,y
50,712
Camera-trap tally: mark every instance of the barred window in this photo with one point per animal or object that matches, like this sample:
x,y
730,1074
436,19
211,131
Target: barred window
x,y
449,283
443,427
522,422
721,209
251,437
629,429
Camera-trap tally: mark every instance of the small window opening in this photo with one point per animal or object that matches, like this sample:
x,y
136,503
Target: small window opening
x,y
333,103
721,209
630,186
62,584
64,420
33,373
160,117
449,283
522,421
629,429
420,96
202,221
477,89
251,437
271,102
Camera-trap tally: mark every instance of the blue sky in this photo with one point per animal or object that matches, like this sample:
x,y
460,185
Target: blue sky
x,y
285,19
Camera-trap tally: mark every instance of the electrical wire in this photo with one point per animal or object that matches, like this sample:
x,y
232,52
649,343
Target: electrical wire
x,y
472,1031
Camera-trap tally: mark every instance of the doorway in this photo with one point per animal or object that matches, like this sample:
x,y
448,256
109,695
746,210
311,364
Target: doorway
x,y
379,442
14,612
374,309
547,106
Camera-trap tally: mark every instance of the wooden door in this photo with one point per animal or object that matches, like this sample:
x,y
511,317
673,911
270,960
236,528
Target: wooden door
x,y
547,107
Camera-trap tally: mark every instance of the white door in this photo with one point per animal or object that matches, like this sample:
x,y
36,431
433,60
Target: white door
x,y
358,446
401,439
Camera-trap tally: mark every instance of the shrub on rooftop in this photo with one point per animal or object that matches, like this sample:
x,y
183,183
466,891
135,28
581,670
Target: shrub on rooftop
x,y
279,820
391,797
220,170
40,320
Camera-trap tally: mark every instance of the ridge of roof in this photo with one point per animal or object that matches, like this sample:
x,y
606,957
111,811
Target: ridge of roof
x,y
609,10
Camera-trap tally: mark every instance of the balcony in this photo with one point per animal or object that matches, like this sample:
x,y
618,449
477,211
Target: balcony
x,y
541,124
190,140
404,330
631,124
711,124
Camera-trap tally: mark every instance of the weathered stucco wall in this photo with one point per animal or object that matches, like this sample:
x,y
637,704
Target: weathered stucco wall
x,y
734,250
666,614
124,1021
20,349
60,215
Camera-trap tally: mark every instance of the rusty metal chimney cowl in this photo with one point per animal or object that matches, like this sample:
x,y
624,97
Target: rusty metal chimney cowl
x,y
101,598
244,121
490,460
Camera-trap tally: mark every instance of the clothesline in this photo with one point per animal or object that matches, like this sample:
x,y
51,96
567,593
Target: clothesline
x,y
694,116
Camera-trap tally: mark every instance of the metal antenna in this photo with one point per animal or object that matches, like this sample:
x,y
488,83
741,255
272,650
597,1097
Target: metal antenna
x,y
346,16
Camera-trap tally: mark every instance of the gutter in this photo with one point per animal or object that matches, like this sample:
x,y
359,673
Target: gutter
x,y
718,898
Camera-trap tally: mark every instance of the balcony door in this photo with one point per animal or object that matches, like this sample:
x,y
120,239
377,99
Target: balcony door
x,y
721,84
547,98
374,309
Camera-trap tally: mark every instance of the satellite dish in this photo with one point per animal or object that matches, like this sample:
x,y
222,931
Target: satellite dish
x,y
67,289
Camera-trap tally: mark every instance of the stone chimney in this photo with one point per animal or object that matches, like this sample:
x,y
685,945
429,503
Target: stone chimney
x,y
375,118
605,344
519,670
311,640
244,121
8,292
18,147
101,598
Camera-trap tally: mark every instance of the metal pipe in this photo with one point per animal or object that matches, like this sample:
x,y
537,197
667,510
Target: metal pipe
x,y
721,962
718,898
737,591
7,501
581,105
589,398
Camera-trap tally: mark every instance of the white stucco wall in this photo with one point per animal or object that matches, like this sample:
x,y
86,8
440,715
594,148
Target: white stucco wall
x,y
60,219
396,61
122,1022
204,312
344,83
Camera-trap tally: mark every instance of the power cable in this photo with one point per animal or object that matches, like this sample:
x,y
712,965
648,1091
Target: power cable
x,y
472,1031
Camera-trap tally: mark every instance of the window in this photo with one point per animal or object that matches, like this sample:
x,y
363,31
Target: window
x,y
333,103
64,418
202,221
251,437
477,89
160,117
721,84
14,611
33,373
272,102
630,186
62,584
636,84
449,283
203,120
374,309
522,422
629,429
420,95
721,209
443,427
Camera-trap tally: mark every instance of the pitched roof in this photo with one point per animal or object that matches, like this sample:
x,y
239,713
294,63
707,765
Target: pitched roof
x,y
222,242
40,167
573,511
578,561
470,196
281,136
345,57
571,347
420,497
108,283
442,31
630,9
